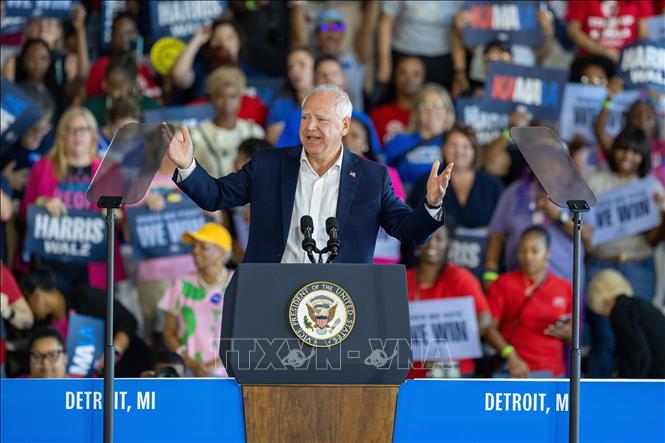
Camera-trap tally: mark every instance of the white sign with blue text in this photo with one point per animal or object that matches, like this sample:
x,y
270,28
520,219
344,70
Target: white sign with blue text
x,y
444,329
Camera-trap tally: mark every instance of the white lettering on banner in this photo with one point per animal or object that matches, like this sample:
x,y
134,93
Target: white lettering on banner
x,y
145,400
151,235
562,402
528,91
69,228
83,358
92,400
645,57
516,402
505,18
6,120
488,125
71,249
169,12
177,227
648,76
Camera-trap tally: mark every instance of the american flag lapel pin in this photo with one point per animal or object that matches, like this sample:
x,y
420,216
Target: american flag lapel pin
x,y
352,174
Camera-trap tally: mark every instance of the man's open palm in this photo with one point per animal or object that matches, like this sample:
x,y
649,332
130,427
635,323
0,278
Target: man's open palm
x,y
438,183
181,149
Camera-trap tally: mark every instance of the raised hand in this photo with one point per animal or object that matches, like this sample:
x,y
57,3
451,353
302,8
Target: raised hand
x,y
181,149
438,183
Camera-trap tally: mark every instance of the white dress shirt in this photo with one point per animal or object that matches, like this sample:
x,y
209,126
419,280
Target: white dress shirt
x,y
317,197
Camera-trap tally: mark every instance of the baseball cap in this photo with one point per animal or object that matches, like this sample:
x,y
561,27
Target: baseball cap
x,y
329,16
210,233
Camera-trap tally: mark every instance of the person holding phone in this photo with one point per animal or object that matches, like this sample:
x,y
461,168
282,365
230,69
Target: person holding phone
x,y
531,309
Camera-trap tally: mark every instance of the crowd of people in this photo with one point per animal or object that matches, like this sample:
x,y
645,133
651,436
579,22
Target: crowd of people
x,y
405,65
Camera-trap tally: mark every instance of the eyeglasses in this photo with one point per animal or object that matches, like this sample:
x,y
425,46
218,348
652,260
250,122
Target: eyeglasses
x,y
332,27
593,80
430,106
79,130
39,357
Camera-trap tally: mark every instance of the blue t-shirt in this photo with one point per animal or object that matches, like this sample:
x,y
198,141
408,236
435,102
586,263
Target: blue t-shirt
x,y
282,109
412,156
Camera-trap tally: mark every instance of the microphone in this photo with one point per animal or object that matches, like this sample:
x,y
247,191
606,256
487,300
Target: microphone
x,y
308,243
333,243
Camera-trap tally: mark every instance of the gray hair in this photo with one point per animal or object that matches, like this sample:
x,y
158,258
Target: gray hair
x,y
343,106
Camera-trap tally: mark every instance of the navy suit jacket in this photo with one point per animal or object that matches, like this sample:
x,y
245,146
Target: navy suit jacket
x,y
268,182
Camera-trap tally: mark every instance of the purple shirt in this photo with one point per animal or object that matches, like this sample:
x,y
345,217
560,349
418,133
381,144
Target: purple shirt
x,y
514,214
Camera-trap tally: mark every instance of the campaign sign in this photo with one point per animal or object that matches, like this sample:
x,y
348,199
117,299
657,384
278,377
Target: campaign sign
x,y
78,236
12,25
625,211
159,234
538,89
468,249
39,8
514,22
85,344
109,10
488,125
17,112
444,329
656,27
581,105
181,19
642,65
189,115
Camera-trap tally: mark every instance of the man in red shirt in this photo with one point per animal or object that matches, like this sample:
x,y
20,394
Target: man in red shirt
x,y
532,310
435,278
392,118
605,27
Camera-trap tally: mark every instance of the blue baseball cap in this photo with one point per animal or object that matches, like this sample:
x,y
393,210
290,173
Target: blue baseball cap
x,y
329,16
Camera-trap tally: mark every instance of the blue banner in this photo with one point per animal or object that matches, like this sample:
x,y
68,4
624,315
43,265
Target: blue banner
x,y
536,88
642,66
468,249
77,237
488,125
190,115
39,8
85,344
181,19
458,411
513,22
17,112
455,411
109,9
159,234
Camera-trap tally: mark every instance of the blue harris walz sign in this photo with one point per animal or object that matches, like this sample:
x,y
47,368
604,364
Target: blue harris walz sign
x,y
538,89
39,8
17,112
182,18
159,234
642,65
488,125
76,237
84,344
514,22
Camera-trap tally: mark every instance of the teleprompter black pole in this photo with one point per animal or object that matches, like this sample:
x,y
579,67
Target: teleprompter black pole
x,y
109,350
110,204
576,207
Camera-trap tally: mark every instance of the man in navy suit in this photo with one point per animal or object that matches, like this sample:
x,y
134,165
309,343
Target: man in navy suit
x,y
320,179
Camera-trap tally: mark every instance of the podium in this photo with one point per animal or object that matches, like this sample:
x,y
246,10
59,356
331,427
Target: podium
x,y
319,350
